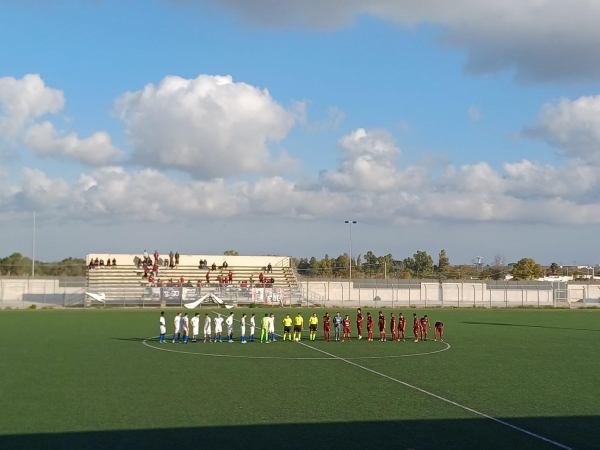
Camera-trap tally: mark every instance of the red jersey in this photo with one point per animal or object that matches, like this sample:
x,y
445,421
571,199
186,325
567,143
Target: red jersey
x,y
326,323
369,322
381,322
439,324
416,322
424,322
155,255
401,322
359,319
393,323
347,323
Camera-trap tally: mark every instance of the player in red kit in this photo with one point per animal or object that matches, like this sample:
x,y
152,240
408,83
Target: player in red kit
x,y
401,326
347,324
393,326
370,327
327,328
438,329
424,325
416,327
359,322
381,327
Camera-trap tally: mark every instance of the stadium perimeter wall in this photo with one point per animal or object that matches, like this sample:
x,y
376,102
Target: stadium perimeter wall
x,y
192,260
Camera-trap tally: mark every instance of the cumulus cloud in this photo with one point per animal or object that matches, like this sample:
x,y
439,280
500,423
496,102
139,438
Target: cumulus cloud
x,y
572,126
26,99
209,126
96,150
538,39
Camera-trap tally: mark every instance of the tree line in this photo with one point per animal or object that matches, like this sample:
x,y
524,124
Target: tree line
x,y
18,265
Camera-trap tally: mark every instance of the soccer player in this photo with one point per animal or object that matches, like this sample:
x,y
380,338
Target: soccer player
x,y
207,330
347,323
177,326
185,323
298,327
381,327
272,327
438,329
264,329
369,327
327,327
218,328
195,326
337,325
424,325
162,327
313,323
287,327
401,326
393,326
252,327
416,327
229,323
243,329
359,322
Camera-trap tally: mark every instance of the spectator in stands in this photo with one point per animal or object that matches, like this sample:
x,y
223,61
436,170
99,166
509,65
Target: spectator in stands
x,y
91,266
205,264
230,276
155,268
225,265
101,263
114,262
96,262
213,267
145,255
199,284
244,285
182,280
261,277
145,270
171,258
272,280
155,255
208,277
200,264
159,283
170,283
219,279
251,280
176,259
108,262
269,268
150,279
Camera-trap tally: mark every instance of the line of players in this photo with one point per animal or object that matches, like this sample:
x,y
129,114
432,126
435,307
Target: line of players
x,y
342,325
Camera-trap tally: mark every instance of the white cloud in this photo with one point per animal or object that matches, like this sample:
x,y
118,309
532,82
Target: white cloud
x,y
26,99
539,39
474,113
44,140
208,126
572,126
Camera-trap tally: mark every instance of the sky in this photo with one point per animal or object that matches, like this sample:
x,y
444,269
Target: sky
x,y
204,125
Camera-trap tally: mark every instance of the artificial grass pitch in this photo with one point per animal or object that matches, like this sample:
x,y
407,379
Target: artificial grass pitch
x,y
85,379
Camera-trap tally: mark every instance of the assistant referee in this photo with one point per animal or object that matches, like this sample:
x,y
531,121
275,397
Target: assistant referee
x,y
298,326
287,327
313,322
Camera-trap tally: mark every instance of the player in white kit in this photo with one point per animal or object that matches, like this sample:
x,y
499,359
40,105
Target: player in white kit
x,y
218,328
207,331
185,327
162,326
243,329
195,326
229,323
177,326
272,327
252,327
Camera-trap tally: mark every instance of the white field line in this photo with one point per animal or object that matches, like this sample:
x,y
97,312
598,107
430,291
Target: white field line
x,y
431,394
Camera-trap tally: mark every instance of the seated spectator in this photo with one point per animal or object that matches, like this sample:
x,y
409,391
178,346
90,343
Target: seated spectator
x,y
108,262
155,268
200,264
244,285
171,282
270,268
251,280
114,262
199,284
159,283
225,265
205,264
213,267
261,277
208,276
150,279
139,263
176,259
272,280
101,263
230,276
145,270
219,279
171,258
182,280
155,255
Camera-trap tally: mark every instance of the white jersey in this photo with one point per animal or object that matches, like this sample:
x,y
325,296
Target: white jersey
x,y
271,324
163,325
207,323
243,325
218,324
177,323
184,323
195,322
252,325
229,322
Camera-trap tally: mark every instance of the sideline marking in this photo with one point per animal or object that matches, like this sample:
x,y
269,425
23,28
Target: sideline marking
x,y
404,383
145,342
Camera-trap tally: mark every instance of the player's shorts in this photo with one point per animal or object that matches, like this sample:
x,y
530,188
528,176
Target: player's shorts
x,y
271,329
401,327
230,328
439,328
252,330
359,327
195,330
424,327
287,329
207,330
312,327
346,330
243,329
297,328
381,329
177,330
163,329
218,329
326,328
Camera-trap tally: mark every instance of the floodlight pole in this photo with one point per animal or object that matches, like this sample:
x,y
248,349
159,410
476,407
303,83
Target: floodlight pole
x,y
33,249
350,222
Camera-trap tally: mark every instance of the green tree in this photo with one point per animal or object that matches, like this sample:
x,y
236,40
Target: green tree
x,y
231,253
555,269
326,266
371,263
443,264
420,265
314,268
527,269
340,268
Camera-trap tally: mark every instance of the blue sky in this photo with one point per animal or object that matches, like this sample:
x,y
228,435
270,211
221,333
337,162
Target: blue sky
x,y
411,88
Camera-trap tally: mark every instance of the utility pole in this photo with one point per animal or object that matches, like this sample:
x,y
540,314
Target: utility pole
x,y
33,249
350,222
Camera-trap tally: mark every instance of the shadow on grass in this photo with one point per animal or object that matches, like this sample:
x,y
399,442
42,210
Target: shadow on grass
x,y
500,324
575,432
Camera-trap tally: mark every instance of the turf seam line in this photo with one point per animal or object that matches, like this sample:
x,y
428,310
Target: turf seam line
x,y
466,408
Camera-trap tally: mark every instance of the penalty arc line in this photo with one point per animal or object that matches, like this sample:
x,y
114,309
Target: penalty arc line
x,y
431,394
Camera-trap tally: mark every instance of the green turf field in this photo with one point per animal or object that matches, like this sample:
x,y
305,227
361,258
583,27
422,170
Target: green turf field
x,y
85,379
